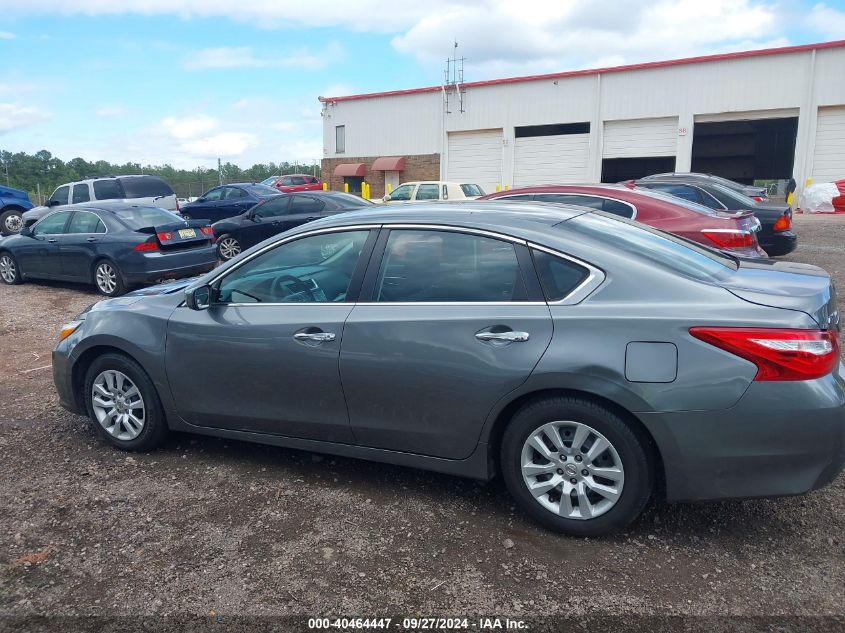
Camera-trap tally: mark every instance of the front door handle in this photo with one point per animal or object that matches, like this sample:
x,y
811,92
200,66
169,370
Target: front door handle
x,y
52,240
320,337
510,337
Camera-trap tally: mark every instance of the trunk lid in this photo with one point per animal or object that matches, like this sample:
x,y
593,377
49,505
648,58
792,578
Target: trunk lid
x,y
787,285
180,235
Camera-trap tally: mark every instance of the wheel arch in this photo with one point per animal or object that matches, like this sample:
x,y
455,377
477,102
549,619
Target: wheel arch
x,y
506,413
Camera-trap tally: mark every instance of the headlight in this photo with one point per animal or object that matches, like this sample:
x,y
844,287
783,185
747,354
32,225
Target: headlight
x,y
68,329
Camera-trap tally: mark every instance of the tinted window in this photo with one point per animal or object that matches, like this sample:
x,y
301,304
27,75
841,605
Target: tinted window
x,y
664,249
52,224
145,187
306,205
617,208
315,269
262,190
107,190
60,195
313,180
297,180
273,207
665,197
402,193
143,217
558,276
214,194
520,197
233,193
679,191
348,201
426,266
286,181
732,199
570,198
80,193
85,222
427,192
472,190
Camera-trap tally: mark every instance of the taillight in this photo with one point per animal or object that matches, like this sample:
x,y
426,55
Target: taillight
x,y
207,230
783,223
165,236
730,238
149,245
780,354
757,198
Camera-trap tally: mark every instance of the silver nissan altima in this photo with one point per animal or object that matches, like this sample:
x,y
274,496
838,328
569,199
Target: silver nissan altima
x,y
592,362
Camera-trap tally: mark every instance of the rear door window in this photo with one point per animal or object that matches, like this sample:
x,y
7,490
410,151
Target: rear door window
x,y
305,205
85,222
145,187
273,207
427,192
233,193
108,189
214,195
297,180
80,193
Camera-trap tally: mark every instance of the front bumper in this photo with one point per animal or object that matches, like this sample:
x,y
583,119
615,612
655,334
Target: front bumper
x,y
781,438
63,379
780,243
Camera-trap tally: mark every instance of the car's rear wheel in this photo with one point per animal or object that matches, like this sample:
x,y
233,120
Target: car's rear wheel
x,y
123,404
576,466
108,279
228,247
11,221
9,271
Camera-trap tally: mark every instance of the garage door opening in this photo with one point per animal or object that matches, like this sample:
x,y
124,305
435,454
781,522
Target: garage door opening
x,y
745,151
618,169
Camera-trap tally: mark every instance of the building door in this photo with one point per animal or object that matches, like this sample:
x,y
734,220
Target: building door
x,y
391,178
555,159
829,152
475,157
354,183
635,148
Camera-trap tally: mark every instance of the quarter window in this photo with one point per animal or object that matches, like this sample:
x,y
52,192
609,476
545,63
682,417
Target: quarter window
x,y
52,225
313,269
445,266
85,222
427,192
558,276
80,193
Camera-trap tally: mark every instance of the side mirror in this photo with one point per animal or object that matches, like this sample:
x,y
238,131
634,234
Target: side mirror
x,y
386,198
198,298
26,231
53,203
200,200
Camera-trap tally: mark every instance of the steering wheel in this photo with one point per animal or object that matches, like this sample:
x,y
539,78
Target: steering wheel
x,y
280,287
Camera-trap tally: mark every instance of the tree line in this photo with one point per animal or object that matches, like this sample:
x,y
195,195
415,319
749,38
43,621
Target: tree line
x,y
44,172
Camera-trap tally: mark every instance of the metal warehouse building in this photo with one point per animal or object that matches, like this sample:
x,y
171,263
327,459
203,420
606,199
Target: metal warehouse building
x,y
765,114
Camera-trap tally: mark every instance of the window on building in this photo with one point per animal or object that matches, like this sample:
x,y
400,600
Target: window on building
x,y
555,129
340,139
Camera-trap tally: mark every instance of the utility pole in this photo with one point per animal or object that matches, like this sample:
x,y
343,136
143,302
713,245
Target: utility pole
x,y
6,165
219,172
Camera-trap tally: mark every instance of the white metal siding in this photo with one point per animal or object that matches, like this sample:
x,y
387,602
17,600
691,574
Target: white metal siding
x,y
640,137
543,160
829,154
476,157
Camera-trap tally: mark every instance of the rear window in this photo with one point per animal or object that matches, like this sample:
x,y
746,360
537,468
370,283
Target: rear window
x,y
145,187
348,201
472,190
667,250
726,195
108,190
681,202
141,217
262,190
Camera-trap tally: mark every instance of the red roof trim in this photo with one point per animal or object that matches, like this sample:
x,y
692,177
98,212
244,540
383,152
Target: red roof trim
x,y
389,163
596,71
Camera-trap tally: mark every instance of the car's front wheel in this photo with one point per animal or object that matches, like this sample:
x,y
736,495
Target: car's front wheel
x,y
9,271
108,279
11,221
575,466
228,247
123,404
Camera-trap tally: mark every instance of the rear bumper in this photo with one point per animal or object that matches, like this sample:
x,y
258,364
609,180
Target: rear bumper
x,y
780,243
157,266
781,438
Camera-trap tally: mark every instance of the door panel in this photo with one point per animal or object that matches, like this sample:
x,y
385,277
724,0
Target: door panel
x,y
417,379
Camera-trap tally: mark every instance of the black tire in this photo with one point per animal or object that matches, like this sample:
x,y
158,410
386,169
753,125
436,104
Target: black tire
x,y
10,218
224,240
10,272
155,429
633,452
116,285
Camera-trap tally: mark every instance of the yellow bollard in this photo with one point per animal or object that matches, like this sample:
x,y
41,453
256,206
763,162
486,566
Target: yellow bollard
x,y
346,187
364,190
497,187
389,187
506,187
325,186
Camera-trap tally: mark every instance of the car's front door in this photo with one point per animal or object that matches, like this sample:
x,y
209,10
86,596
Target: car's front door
x,y
265,220
264,356
79,246
38,255
448,323
208,206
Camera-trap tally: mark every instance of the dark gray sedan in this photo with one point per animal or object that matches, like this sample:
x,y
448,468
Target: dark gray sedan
x,y
589,360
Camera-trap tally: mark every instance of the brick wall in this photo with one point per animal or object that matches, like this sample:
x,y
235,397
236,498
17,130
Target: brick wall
x,y
417,167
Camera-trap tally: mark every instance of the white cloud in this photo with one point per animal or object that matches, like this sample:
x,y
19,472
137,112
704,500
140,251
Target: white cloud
x,y
110,111
827,20
189,127
14,116
6,35
246,57
284,126
223,145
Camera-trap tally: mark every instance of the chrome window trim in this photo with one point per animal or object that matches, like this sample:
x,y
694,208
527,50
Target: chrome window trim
x,y
585,195
594,279
456,229
393,303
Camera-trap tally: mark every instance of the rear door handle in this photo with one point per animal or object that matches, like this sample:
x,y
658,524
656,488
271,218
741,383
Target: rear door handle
x,y
510,337
91,239
320,337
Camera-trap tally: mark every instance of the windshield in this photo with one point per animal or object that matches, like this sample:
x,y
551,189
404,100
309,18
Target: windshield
x,y
141,217
681,202
666,250
261,190
269,181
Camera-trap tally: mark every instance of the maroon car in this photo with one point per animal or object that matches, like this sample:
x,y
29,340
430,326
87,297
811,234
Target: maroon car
x,y
295,182
735,233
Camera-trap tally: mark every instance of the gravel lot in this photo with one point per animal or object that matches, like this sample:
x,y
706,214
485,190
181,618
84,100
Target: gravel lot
x,y
206,526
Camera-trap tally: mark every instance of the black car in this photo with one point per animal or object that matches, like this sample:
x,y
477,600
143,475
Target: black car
x,y
113,245
775,237
226,201
279,214
758,194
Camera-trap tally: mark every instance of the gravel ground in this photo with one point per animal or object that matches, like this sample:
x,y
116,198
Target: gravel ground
x,y
206,526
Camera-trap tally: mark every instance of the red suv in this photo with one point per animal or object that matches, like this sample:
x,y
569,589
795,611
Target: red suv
x,y
735,233
297,182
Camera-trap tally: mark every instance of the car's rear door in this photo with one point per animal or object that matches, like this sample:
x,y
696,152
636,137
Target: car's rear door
x,y
449,322
79,245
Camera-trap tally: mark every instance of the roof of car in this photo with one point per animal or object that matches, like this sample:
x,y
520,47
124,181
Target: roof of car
x,y
107,205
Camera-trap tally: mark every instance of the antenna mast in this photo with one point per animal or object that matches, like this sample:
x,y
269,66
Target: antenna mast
x,y
454,76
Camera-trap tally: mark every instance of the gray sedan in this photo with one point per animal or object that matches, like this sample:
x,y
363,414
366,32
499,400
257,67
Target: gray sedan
x,y
591,361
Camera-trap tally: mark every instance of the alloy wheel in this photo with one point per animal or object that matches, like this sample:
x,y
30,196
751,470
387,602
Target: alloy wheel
x,y
572,470
229,247
13,223
118,405
8,270
106,278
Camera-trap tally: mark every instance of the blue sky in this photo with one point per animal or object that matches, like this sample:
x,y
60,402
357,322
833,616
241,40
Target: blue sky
x,y
163,81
